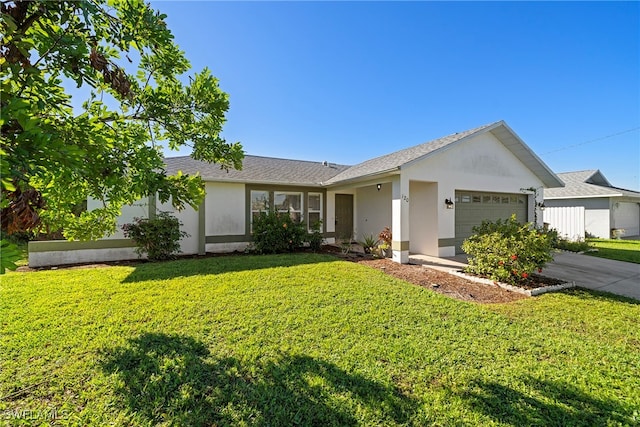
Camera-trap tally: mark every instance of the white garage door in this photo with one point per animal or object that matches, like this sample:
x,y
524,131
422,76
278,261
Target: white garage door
x,y
474,207
626,215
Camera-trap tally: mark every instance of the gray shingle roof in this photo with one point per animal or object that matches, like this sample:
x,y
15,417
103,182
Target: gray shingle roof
x,y
394,160
258,169
584,184
269,170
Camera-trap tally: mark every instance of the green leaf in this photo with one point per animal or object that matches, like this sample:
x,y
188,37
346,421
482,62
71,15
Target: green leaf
x,y
105,151
9,255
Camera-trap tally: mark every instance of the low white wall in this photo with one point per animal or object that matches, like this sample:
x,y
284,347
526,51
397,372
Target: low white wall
x,y
218,248
61,252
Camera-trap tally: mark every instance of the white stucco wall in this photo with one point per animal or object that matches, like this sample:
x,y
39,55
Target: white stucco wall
x,y
626,215
479,164
330,220
423,221
139,209
225,212
189,219
374,210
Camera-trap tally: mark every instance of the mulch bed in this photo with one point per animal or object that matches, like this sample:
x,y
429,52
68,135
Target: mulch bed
x,y
441,282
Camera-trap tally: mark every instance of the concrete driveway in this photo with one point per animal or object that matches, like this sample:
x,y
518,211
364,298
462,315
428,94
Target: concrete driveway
x,y
617,277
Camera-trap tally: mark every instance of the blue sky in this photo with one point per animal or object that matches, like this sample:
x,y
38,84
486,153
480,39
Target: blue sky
x,y
346,82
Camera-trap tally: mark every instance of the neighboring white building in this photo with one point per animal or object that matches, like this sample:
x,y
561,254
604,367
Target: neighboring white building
x,y
431,195
604,210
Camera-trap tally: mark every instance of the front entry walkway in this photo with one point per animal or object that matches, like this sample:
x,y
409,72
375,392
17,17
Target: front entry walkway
x,y
443,264
599,274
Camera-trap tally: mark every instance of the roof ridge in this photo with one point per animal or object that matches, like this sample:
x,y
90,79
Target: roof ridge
x,y
261,157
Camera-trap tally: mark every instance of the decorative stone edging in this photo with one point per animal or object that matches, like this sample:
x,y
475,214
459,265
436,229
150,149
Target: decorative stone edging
x,y
528,292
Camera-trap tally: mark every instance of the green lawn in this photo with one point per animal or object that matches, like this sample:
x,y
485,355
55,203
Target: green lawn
x,y
622,250
305,340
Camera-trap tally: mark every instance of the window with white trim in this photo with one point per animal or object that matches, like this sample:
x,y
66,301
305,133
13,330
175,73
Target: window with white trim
x,y
314,207
289,201
259,203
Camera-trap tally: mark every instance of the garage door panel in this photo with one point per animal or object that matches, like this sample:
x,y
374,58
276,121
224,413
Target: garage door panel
x,y
474,207
626,215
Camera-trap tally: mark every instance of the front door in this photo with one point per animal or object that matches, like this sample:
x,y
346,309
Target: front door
x,y
344,216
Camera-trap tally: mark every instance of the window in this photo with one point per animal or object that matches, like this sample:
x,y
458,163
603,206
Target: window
x,y
259,203
291,202
466,198
314,205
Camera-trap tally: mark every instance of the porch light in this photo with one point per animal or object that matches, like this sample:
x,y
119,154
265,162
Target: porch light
x,y
448,203
379,186
541,205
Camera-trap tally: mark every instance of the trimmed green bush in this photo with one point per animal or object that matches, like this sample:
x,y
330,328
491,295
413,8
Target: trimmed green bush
x,y
315,238
158,237
507,251
276,232
566,244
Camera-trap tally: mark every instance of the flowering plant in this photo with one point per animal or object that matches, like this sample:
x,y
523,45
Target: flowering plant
x,y
507,251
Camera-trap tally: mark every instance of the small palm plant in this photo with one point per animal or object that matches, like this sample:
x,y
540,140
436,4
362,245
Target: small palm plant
x,y
369,244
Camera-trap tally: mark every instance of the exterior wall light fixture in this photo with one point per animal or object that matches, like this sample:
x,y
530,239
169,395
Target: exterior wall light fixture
x,y
448,203
379,186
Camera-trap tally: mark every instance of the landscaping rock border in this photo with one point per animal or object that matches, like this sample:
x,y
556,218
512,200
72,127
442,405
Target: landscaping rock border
x,y
528,292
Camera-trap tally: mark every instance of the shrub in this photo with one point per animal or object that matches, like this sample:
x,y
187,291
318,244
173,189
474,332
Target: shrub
x,y
385,236
276,232
507,251
346,244
315,237
369,244
158,237
566,244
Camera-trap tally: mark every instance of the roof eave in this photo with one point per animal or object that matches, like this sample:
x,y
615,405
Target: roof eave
x,y
592,196
261,182
360,178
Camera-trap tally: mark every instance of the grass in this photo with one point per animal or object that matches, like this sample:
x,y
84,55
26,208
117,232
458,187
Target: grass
x,y
305,340
24,255
621,250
